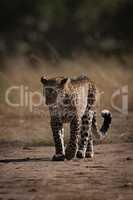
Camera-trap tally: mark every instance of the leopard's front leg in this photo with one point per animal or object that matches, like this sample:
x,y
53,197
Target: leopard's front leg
x,y
58,135
72,146
86,143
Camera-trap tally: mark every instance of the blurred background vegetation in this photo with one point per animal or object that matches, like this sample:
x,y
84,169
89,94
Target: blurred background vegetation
x,y
63,37
58,28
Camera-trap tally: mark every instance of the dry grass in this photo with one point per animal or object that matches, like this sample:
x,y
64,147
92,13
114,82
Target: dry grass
x,y
108,74
19,124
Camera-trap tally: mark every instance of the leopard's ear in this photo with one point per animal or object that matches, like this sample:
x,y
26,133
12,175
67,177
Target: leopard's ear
x,y
65,81
43,80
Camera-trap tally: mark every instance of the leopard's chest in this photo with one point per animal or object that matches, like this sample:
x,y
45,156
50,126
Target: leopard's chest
x,y
69,106
64,110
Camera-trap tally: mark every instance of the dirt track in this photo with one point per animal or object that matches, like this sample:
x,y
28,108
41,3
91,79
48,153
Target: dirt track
x,y
108,176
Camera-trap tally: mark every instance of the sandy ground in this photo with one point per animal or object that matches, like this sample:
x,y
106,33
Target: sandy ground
x,y
27,172
108,176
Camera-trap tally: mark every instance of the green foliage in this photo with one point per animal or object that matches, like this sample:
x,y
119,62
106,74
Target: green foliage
x,y
45,22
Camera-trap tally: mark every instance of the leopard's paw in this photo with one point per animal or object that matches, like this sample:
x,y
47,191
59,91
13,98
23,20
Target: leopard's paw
x,y
80,154
70,153
89,154
58,157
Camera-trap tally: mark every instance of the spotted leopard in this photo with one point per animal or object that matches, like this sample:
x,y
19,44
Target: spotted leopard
x,y
72,100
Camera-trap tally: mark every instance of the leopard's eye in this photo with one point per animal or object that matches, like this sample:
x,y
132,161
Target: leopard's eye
x,y
50,91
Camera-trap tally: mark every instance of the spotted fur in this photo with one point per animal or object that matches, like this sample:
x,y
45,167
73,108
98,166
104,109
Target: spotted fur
x,y
72,100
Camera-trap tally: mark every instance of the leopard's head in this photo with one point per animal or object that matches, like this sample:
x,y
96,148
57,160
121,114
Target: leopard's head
x,y
53,87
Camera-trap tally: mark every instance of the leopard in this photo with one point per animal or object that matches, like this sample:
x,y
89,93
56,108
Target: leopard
x,y
73,100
